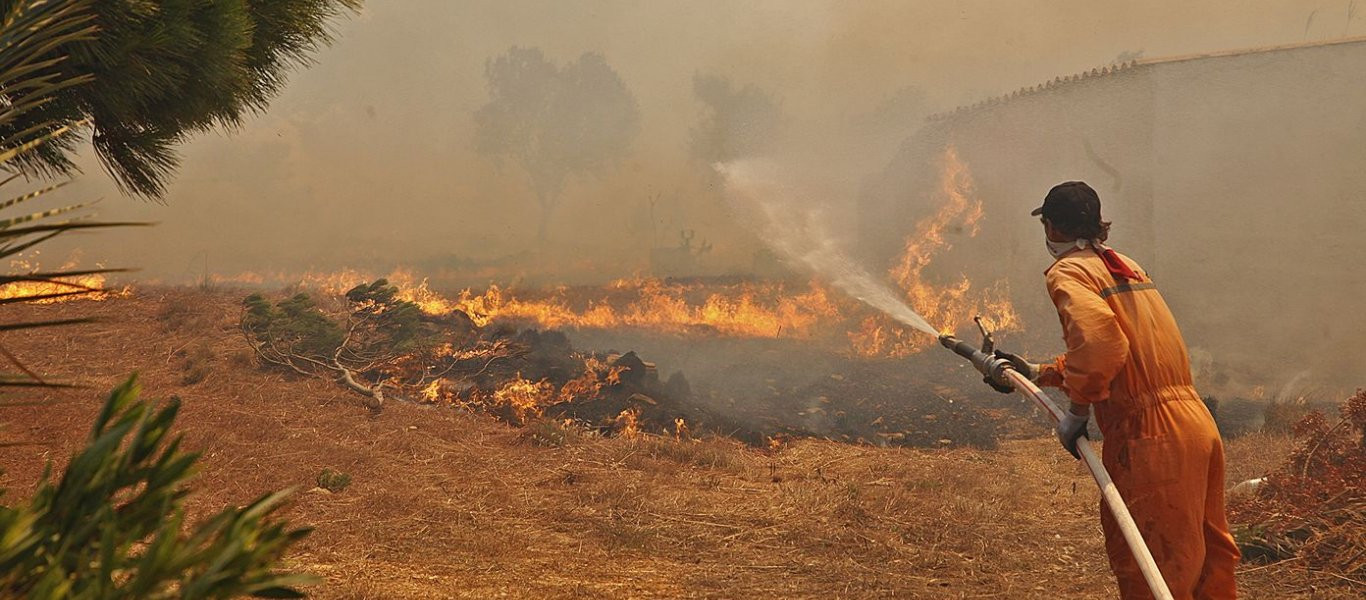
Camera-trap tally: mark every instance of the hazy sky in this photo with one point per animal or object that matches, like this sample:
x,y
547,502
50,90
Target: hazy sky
x,y
366,159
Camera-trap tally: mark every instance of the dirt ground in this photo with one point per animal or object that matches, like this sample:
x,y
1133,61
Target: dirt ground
x,y
445,504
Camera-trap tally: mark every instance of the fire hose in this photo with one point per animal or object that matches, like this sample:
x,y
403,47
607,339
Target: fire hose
x,y
1003,372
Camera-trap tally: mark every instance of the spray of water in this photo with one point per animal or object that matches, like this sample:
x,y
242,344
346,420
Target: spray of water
x,y
796,227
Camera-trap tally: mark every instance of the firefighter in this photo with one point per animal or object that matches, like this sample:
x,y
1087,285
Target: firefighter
x,y
1127,363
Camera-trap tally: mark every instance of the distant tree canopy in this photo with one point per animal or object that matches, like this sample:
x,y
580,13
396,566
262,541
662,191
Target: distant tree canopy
x,y
165,69
736,122
555,121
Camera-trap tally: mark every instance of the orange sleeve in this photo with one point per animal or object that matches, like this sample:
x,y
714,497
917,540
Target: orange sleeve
x,y
1050,374
1096,346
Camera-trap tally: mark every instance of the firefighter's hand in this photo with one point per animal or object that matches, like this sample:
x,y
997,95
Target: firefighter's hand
x,y
1026,368
1071,428
1049,376
1003,388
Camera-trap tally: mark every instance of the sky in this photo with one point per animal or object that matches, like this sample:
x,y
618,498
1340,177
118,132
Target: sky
x,y
367,158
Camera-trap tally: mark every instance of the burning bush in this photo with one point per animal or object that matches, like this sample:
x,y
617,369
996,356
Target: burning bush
x,y
1314,506
380,341
380,345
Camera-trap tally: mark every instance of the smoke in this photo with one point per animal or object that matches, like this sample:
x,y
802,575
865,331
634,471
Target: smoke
x,y
798,227
368,158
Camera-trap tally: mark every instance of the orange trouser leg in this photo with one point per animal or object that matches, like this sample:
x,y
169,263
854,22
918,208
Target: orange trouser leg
x,y
1221,552
1165,482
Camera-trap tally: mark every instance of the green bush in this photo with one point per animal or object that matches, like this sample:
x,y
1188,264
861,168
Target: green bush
x,y
113,525
333,481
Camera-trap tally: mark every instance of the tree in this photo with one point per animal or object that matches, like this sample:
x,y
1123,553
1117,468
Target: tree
x,y
163,70
381,341
554,122
736,122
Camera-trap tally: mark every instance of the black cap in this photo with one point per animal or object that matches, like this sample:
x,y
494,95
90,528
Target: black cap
x,y
1070,205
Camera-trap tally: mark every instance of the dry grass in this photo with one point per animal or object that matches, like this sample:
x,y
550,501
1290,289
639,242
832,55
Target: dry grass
x,y
444,504
1255,455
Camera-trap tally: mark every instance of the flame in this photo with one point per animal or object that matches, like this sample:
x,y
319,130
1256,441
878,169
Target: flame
x,y
63,285
596,375
520,399
627,423
526,398
433,392
947,305
747,310
681,431
337,282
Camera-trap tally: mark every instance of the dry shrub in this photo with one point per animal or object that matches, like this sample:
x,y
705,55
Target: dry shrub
x,y
184,313
1281,416
174,316
1314,505
195,364
614,496
709,453
551,433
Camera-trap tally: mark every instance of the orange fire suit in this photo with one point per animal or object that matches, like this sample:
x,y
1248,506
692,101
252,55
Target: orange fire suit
x,y
1126,358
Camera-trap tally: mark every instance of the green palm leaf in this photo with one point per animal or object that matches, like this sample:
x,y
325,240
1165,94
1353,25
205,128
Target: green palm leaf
x,y
32,34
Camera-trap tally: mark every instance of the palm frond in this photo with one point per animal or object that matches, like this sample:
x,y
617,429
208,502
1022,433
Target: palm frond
x,y
80,291
59,278
9,154
49,323
33,37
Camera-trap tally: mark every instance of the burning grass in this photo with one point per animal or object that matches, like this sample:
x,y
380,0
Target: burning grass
x,y
444,503
89,287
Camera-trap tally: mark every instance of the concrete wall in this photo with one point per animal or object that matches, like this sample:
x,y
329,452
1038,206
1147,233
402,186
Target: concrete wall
x,y
1016,151
1237,181
1260,189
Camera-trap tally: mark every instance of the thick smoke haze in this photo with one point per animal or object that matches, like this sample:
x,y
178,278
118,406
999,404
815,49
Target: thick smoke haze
x,y
368,158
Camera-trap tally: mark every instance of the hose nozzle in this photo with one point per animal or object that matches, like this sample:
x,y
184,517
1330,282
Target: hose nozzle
x,y
983,359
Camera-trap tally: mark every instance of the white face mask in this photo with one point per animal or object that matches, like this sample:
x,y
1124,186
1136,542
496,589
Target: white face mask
x,y
1058,249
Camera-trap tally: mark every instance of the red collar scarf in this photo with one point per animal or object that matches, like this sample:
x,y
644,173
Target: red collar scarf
x,y
1116,266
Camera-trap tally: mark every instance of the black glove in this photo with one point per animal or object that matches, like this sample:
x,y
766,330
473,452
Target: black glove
x,y
1071,428
1026,368
1004,389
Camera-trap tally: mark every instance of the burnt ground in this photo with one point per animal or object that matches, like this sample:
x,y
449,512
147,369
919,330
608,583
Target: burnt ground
x,y
797,387
451,504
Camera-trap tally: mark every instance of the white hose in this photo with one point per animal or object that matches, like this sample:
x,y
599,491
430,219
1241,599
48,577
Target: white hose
x,y
1108,491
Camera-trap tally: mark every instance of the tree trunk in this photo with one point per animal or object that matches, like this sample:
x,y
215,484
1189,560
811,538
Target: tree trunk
x,y
546,201
374,396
